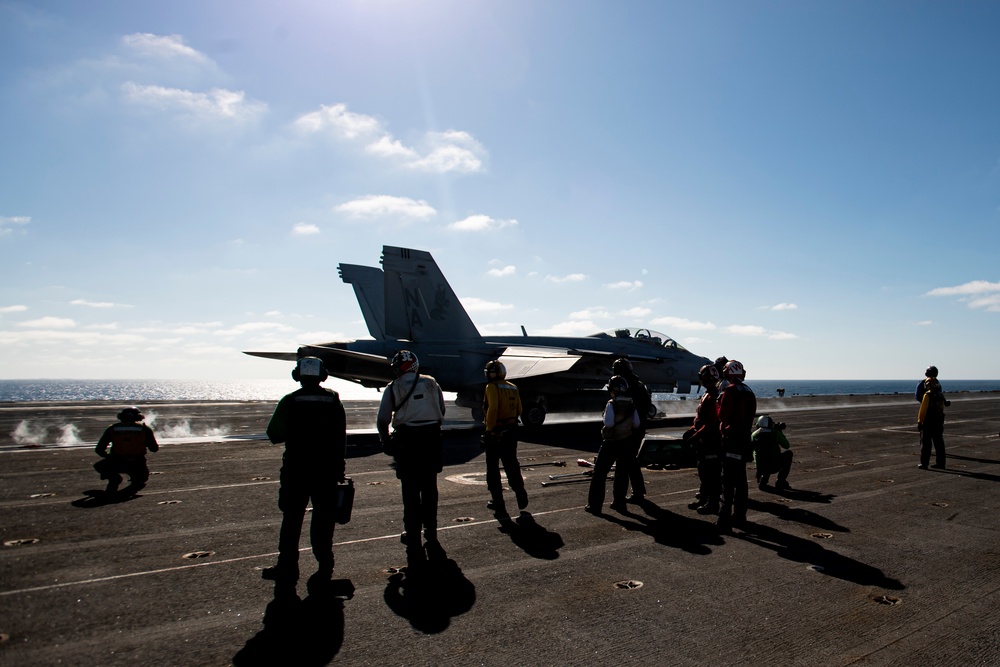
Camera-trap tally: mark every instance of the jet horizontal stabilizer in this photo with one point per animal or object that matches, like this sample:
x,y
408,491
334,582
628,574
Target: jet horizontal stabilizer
x,y
280,356
350,354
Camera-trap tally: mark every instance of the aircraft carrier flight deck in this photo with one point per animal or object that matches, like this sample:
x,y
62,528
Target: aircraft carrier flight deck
x,y
867,560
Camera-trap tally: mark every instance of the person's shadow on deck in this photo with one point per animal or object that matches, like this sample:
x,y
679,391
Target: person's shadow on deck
x,y
690,534
299,632
430,593
535,540
823,560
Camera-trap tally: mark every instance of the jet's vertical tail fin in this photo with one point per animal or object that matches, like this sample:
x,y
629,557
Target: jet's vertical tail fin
x,y
369,287
420,305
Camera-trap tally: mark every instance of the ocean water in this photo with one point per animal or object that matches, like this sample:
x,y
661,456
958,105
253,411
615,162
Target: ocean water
x,y
137,391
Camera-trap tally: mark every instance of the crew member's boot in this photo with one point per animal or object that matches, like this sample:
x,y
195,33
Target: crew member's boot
x,y
711,507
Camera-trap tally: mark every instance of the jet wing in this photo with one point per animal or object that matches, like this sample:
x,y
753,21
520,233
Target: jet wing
x,y
524,362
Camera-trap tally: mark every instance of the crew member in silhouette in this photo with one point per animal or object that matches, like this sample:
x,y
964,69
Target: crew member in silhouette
x,y
312,424
737,407
502,407
771,453
930,420
414,406
620,422
705,437
129,439
643,402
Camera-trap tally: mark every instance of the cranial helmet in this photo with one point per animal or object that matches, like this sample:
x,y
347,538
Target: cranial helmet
x,y
309,367
618,384
495,370
765,422
734,369
404,361
707,373
130,414
622,366
931,372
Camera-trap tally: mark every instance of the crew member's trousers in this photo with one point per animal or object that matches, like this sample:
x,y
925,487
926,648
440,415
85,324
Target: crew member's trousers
x,y
420,500
621,451
418,455
111,468
502,448
710,477
297,487
932,433
782,465
734,487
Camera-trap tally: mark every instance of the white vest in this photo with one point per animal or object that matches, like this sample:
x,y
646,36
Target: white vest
x,y
422,407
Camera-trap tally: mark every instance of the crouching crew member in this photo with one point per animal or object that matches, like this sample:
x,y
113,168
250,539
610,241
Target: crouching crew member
x,y
502,407
643,402
129,440
737,406
705,437
414,405
771,452
620,422
312,424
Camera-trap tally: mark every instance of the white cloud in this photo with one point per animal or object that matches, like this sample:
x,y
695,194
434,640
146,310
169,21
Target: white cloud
x,y
925,323
13,309
48,323
990,303
37,337
451,151
218,103
759,331
595,313
444,159
7,223
638,311
340,122
571,278
683,323
508,270
630,285
481,223
162,46
783,306
571,328
388,147
974,287
476,305
304,229
746,330
977,293
387,205
248,327
95,304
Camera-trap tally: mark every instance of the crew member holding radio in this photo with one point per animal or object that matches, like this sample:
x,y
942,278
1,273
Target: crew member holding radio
x,y
312,424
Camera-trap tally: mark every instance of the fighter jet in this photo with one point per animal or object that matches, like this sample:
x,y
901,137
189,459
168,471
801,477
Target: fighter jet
x,y
408,304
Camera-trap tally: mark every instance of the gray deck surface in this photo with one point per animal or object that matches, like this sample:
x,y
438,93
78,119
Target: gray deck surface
x,y
868,560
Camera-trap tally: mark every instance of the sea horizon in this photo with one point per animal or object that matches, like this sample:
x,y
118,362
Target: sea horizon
x,y
138,391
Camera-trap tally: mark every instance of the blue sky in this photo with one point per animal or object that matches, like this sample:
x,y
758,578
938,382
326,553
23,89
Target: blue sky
x,y
810,187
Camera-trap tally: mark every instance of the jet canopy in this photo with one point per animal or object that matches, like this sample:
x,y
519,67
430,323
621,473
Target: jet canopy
x,y
648,336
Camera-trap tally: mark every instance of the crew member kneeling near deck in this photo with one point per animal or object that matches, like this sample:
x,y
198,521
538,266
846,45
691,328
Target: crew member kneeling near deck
x,y
129,440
